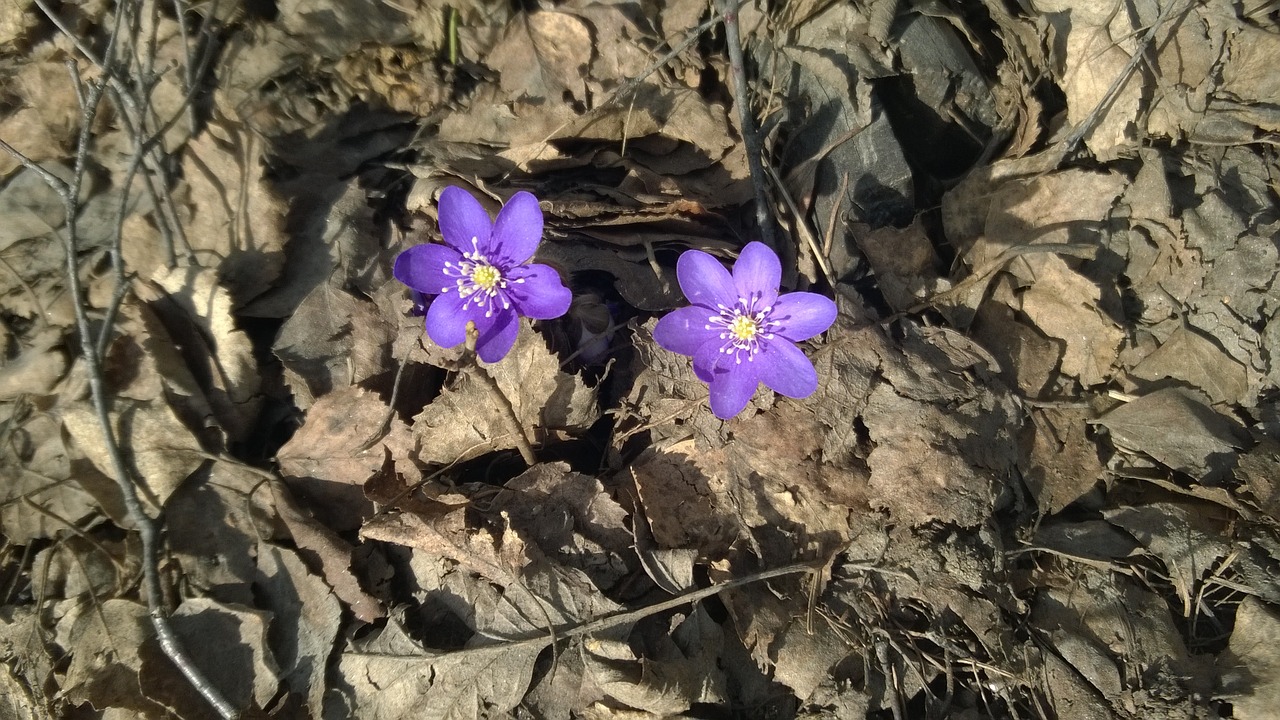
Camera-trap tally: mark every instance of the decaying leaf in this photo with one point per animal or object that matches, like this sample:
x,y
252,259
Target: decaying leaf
x,y
338,448
1177,429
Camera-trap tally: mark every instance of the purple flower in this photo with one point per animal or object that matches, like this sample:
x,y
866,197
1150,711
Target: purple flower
x,y
481,273
739,332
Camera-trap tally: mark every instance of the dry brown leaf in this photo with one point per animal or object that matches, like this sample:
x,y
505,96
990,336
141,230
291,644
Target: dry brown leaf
x,y
214,524
306,617
1251,662
329,554
332,340
38,471
152,441
328,460
35,370
1064,460
194,311
544,54
467,417
1063,304
1177,429
45,124
1096,46
106,659
392,677
228,643
1189,356
235,220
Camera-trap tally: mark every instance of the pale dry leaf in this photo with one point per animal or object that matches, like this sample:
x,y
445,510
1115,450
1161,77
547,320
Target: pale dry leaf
x,y
1011,203
1063,304
1185,538
333,339
1096,47
544,54
682,671
214,524
235,218
39,470
445,534
1177,429
572,519
77,567
153,443
468,416
805,654
228,643
392,677
36,369
44,125
1064,460
306,616
106,661
1251,680
195,311
337,449
328,553
1191,357
27,647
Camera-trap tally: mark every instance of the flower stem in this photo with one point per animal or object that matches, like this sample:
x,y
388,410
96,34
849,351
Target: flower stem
x,y
508,410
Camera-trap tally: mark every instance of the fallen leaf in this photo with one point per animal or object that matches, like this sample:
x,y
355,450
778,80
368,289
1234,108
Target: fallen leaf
x,y
306,616
1178,430
1189,356
544,54
337,449
1251,661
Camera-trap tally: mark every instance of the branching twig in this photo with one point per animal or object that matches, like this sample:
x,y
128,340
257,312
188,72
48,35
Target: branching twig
x,y
69,192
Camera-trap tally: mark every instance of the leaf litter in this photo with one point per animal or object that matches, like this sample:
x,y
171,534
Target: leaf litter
x,y
1036,478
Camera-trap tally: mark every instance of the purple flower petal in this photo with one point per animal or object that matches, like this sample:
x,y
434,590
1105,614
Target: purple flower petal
x,y
685,330
462,218
537,291
447,319
784,368
732,388
707,357
496,342
802,315
421,267
757,271
704,280
516,232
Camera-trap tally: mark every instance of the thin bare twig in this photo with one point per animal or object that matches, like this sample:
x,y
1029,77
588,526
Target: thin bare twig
x,y
147,527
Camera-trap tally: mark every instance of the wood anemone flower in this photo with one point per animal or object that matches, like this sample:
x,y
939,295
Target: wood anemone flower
x,y
740,332
482,273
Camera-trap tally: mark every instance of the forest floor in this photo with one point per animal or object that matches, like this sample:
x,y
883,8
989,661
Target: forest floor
x,y
1039,476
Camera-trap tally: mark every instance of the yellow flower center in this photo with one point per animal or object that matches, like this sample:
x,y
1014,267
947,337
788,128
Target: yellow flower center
x,y
744,328
485,276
